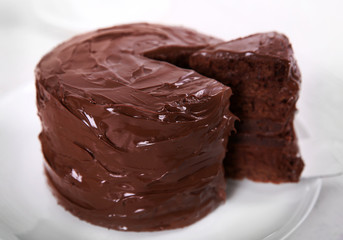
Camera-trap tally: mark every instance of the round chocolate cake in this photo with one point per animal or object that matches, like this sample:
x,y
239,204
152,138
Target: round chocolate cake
x,y
131,140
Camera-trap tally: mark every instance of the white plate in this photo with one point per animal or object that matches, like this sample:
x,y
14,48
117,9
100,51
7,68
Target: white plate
x,y
28,211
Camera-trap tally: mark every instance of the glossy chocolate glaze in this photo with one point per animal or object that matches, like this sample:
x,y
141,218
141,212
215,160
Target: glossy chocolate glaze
x,y
132,143
265,80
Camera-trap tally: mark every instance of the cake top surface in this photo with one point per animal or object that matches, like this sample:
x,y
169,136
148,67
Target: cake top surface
x,y
108,66
271,44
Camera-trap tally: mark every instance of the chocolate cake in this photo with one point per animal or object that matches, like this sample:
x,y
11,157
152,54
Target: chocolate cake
x,y
265,79
136,120
131,142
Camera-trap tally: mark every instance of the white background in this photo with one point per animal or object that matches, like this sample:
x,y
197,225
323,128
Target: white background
x,y
29,29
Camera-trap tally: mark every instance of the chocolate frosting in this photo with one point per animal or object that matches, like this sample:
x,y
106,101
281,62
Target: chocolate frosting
x,y
131,142
269,44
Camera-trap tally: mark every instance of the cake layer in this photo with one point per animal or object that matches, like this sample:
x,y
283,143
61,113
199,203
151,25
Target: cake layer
x,y
256,108
265,80
263,126
278,140
264,163
133,143
250,74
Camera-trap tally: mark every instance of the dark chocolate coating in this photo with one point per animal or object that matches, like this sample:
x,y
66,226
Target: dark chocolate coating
x,y
265,81
132,143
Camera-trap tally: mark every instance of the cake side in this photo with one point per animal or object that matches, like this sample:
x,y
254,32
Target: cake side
x,y
133,143
265,79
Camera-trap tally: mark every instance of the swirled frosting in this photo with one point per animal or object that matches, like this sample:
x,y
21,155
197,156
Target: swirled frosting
x,y
132,142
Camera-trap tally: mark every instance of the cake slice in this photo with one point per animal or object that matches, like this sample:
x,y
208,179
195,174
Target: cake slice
x,y
265,79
